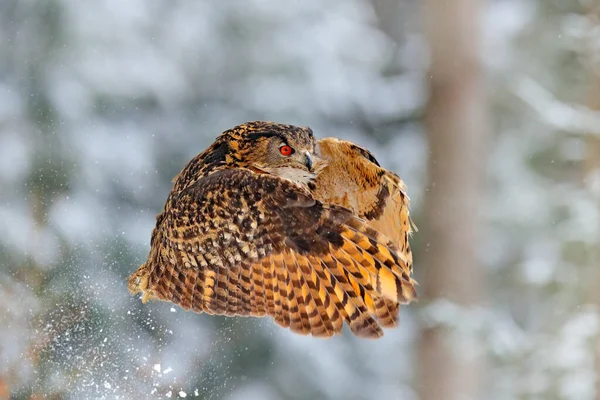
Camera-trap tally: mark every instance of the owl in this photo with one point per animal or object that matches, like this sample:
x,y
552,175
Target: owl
x,y
269,222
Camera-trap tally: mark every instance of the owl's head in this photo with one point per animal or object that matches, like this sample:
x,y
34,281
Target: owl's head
x,y
287,151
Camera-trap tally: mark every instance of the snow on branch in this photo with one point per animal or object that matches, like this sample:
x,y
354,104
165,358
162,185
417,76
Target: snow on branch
x,y
568,117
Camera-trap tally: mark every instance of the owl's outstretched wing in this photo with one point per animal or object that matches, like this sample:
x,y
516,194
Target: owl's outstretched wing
x,y
241,243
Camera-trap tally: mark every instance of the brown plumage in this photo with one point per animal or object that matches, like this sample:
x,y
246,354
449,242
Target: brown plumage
x,y
246,230
353,178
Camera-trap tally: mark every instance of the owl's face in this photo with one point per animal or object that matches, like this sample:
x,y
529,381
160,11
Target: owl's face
x,y
284,150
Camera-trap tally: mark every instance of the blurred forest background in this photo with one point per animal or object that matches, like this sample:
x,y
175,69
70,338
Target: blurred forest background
x,y
485,108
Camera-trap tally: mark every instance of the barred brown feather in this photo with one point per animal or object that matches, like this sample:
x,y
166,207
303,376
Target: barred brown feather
x,y
235,238
351,177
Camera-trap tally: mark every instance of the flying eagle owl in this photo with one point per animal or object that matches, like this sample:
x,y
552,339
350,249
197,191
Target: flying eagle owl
x,y
268,221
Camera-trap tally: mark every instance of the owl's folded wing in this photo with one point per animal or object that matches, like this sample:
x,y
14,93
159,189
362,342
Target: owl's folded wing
x,y
241,243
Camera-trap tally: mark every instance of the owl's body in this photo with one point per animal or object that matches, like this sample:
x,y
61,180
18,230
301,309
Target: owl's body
x,y
247,231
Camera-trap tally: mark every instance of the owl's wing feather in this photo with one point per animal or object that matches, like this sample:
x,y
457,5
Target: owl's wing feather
x,y
257,291
308,307
283,280
298,300
356,276
357,314
391,274
323,320
240,243
387,312
395,221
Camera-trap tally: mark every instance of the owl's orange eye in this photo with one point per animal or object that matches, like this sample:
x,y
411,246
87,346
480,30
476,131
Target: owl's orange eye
x,y
286,150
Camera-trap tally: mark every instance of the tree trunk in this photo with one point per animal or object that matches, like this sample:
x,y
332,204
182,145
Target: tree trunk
x,y
457,129
591,174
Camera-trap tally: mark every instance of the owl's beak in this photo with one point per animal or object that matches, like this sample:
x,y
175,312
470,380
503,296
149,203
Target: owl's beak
x,y
308,161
